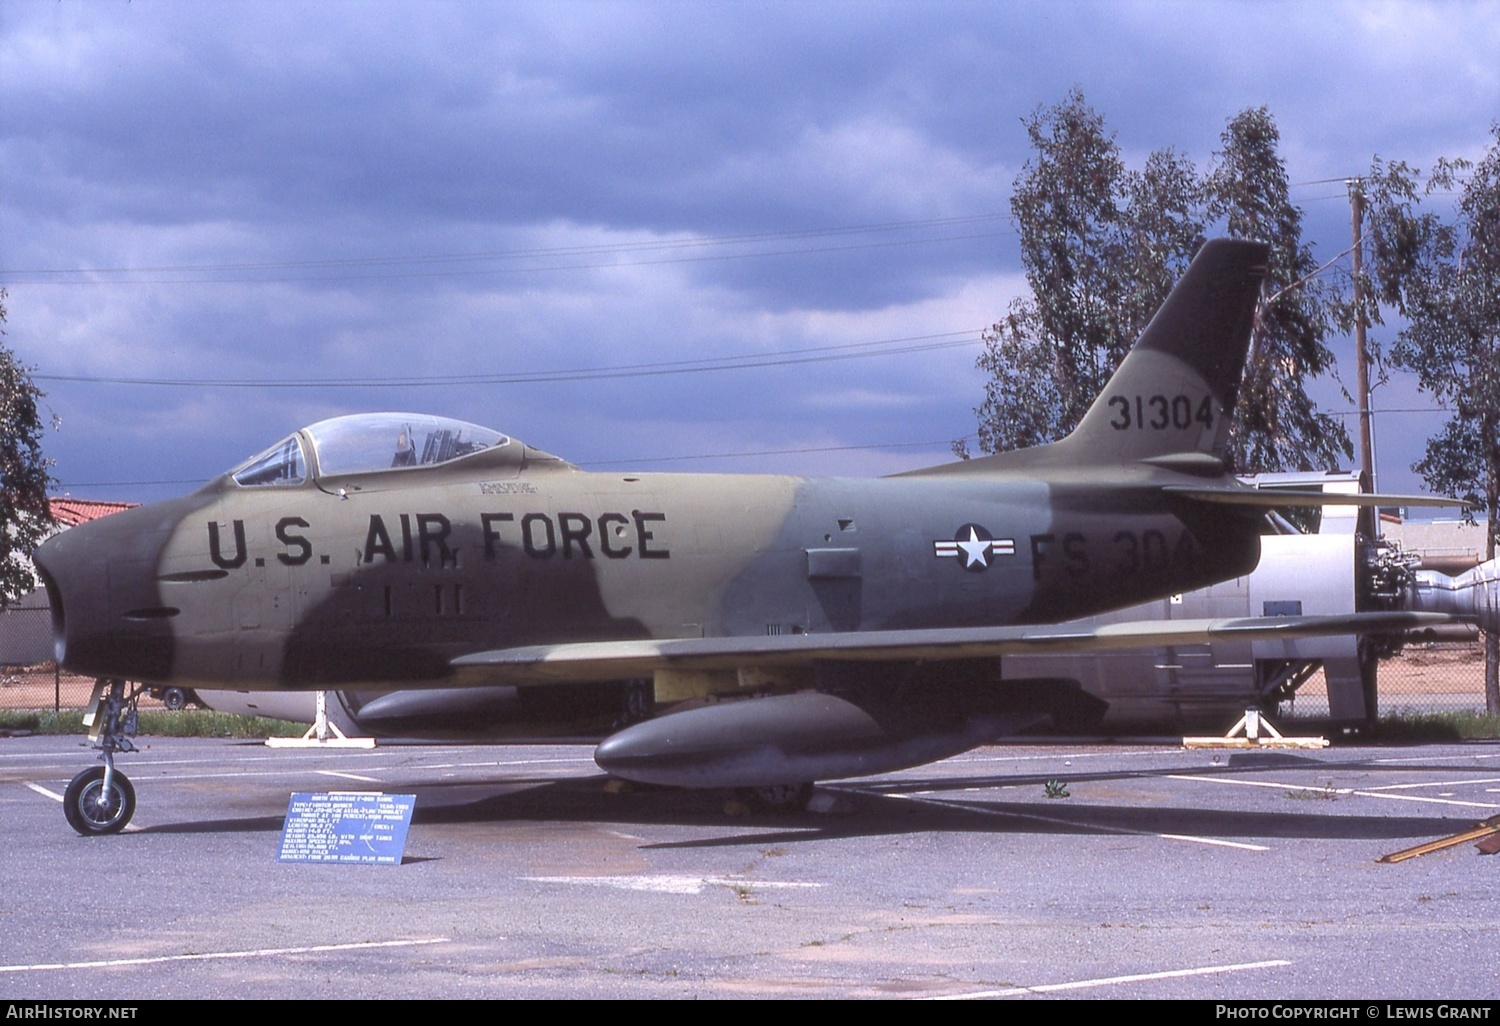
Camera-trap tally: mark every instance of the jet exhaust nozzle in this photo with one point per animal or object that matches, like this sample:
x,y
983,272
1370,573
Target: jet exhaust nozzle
x,y
1474,594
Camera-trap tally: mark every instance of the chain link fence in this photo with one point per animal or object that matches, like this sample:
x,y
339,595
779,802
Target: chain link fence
x,y
1442,675
29,679
29,676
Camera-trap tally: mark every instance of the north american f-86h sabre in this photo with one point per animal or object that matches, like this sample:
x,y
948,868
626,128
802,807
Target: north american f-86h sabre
x,y
787,629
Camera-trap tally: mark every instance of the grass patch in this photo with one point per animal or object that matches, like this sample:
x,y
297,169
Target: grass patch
x,y
156,723
1439,726
42,721
1326,793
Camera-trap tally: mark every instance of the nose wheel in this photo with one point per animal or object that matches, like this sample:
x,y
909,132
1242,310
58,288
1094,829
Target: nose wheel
x,y
101,800
96,806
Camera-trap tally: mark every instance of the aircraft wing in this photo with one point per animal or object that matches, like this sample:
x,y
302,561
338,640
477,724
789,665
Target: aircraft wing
x,y
617,660
1272,497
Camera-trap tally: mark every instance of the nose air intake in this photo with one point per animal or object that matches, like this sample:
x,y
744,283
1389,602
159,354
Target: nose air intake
x,y
109,616
55,603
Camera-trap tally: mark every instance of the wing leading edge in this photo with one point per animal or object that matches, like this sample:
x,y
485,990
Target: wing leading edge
x,y
615,660
1229,495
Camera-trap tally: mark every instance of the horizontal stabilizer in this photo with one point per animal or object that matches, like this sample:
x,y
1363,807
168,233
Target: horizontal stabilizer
x,y
1272,497
618,660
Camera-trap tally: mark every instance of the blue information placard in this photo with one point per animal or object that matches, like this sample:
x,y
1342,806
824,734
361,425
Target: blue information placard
x,y
356,827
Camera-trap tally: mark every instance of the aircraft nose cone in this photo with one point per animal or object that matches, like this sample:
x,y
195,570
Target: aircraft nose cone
x,y
108,619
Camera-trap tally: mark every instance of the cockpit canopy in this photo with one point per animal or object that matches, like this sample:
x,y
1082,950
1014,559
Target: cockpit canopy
x,y
364,443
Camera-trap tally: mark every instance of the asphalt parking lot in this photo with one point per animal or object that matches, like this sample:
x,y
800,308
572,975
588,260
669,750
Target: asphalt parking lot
x,y
1164,874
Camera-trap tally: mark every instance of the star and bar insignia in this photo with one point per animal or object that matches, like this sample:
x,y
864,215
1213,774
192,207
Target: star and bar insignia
x,y
974,547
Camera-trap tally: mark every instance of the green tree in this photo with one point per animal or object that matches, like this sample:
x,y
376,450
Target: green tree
x,y
1445,279
24,478
1101,245
1276,425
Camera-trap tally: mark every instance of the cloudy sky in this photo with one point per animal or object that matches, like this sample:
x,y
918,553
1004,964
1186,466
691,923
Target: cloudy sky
x,y
690,236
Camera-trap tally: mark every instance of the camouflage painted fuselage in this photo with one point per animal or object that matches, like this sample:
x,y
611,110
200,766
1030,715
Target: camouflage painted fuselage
x,y
381,579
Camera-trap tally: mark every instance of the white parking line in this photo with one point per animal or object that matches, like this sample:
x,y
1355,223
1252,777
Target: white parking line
x,y
671,884
1063,755
393,756
208,956
1214,840
1343,791
296,772
348,776
508,762
1108,981
1262,783
1434,783
1060,821
1449,757
1420,798
39,789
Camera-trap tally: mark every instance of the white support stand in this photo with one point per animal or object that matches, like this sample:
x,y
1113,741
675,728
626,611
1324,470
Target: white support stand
x,y
1251,724
317,734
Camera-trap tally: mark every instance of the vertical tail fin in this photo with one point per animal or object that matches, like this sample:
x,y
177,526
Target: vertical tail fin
x,y
1174,392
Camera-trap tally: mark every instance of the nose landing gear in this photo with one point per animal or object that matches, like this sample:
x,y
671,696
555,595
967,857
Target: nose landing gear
x,y
100,800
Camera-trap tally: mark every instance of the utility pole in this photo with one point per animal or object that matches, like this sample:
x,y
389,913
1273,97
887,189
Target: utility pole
x,y
1361,352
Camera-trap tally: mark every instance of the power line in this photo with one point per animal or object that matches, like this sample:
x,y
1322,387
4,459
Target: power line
x,y
1393,409
183,274
407,275
1343,180
772,452
815,354
132,484
620,247
594,463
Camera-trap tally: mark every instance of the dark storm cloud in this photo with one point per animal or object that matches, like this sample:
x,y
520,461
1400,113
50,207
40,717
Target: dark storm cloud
x,y
596,112
338,147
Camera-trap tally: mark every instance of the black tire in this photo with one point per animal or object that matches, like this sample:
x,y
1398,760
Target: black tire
x,y
90,811
778,797
174,698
